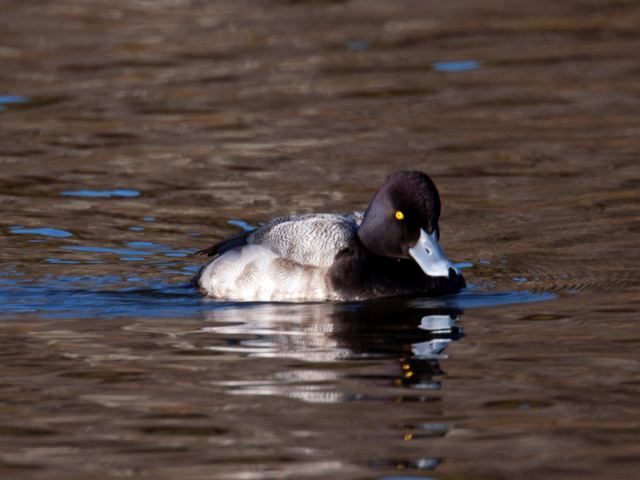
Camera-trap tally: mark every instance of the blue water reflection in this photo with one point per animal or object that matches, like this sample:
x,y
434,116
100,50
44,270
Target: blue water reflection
x,y
62,261
456,66
46,231
476,299
12,100
116,251
134,251
242,224
357,45
83,296
101,193
61,298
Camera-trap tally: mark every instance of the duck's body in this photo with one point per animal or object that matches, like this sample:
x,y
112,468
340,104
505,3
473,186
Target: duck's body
x,y
338,257
287,259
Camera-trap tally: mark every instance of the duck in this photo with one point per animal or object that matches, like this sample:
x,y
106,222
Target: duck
x,y
391,249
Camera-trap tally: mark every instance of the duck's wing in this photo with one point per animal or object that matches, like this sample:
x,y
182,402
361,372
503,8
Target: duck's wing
x,y
312,239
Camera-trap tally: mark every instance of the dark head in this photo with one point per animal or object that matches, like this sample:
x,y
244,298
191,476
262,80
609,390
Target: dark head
x,y
402,222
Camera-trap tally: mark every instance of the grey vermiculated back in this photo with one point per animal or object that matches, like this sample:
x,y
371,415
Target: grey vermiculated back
x,y
309,239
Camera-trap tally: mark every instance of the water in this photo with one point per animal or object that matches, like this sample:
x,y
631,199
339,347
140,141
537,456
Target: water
x,y
135,133
102,193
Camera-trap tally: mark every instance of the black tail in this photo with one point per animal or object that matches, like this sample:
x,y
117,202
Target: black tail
x,y
225,245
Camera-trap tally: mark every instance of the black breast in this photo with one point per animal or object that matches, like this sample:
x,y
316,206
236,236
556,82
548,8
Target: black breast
x,y
359,275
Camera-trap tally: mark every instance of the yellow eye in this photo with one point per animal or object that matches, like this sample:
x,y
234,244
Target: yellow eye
x,y
399,215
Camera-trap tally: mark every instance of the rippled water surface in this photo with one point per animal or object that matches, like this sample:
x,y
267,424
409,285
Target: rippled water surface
x,y
134,133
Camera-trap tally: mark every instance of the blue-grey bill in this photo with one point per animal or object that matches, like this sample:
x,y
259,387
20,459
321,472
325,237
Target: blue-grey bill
x,y
429,255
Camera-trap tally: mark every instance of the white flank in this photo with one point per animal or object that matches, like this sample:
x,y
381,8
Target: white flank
x,y
254,273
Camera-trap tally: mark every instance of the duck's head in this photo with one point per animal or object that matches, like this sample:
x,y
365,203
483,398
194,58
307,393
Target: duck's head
x,y
402,222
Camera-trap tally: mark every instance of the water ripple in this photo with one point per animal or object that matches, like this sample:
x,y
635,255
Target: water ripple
x,y
101,193
46,231
456,66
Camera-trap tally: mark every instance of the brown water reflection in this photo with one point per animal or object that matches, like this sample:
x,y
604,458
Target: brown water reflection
x,y
526,116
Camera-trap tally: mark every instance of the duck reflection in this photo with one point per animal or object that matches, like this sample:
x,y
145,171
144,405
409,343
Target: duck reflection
x,y
344,352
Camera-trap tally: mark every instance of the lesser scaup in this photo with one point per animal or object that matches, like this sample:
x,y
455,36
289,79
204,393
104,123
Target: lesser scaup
x,y
390,249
